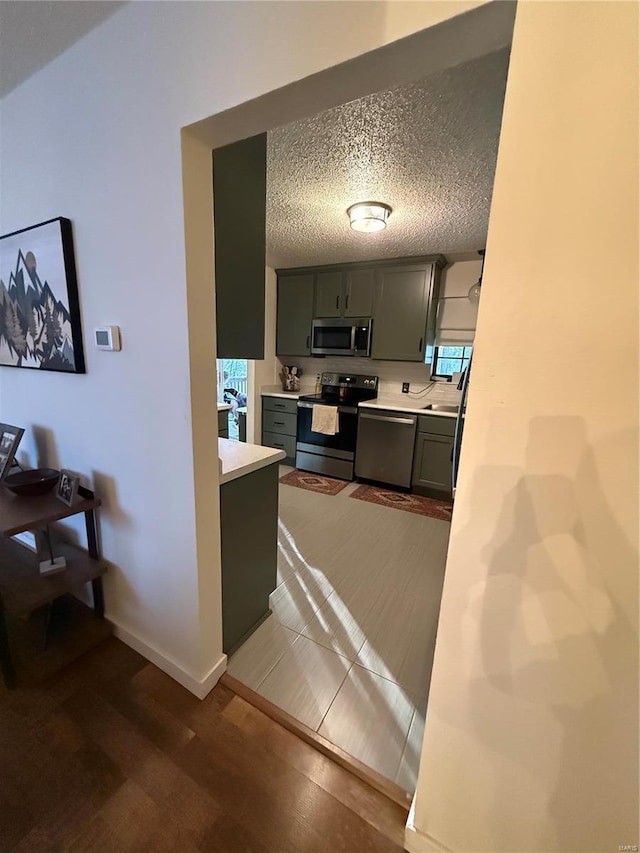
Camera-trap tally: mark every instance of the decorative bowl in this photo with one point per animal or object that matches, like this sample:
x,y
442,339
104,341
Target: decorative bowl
x,y
28,484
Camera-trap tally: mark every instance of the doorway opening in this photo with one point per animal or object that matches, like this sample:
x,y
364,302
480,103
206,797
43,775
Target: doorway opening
x,y
233,391
316,583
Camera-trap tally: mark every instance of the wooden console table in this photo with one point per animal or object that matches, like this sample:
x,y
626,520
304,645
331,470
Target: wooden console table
x,y
24,590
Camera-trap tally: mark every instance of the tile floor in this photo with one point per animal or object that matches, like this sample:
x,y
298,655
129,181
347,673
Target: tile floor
x,y
349,645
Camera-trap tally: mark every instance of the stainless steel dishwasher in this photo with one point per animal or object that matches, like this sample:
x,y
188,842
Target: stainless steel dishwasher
x,y
384,448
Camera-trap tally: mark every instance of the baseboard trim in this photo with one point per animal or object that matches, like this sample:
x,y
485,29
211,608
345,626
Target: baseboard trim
x,y
200,687
418,842
366,774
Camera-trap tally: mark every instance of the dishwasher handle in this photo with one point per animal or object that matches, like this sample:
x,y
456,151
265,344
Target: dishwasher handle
x,y
389,419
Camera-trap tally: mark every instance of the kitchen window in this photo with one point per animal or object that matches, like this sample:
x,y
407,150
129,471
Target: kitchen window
x,y
450,360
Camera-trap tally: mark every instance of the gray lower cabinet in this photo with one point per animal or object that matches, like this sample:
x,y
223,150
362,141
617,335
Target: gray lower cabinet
x,y
223,424
432,458
249,546
404,312
279,421
294,314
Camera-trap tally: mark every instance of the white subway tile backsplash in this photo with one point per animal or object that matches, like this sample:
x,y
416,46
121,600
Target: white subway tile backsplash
x,y
391,375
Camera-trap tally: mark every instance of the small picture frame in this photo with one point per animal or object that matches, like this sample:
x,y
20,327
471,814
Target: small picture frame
x,y
9,440
67,487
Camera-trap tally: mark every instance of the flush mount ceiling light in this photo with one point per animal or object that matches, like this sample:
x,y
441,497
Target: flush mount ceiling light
x,y
368,216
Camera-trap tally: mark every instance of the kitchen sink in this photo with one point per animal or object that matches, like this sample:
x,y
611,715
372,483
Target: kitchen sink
x,y
441,407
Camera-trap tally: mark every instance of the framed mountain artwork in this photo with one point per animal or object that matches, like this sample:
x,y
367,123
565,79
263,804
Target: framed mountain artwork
x,y
39,309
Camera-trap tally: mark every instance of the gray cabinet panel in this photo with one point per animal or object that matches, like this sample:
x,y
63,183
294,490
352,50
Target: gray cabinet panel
x,y
359,293
295,312
249,563
281,442
438,424
329,294
432,465
400,313
239,199
278,404
223,423
281,422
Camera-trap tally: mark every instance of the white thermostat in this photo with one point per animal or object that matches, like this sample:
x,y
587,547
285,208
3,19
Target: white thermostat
x,y
108,337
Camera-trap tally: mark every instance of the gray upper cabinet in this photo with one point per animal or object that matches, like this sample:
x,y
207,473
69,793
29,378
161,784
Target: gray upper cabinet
x,y
344,294
295,312
400,295
239,199
404,312
360,288
330,298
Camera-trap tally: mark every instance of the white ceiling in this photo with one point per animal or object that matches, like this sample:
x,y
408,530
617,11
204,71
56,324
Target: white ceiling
x,y
33,32
427,149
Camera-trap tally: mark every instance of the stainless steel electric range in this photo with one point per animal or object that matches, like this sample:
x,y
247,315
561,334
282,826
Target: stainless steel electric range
x,y
333,455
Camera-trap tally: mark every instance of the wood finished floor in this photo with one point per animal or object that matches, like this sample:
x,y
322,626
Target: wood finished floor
x,y
349,646
113,756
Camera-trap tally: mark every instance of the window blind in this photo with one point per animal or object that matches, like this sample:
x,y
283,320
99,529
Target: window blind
x,y
456,322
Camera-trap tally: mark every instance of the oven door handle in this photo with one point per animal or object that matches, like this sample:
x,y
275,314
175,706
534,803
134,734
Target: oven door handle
x,y
347,410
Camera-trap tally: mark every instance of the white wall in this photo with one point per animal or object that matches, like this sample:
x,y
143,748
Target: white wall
x,y
95,136
531,739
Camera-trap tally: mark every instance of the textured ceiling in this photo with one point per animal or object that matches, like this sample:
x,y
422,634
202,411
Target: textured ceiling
x,y
427,149
33,32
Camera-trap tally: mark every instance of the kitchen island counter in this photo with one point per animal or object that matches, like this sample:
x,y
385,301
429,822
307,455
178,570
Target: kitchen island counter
x,y
238,458
248,536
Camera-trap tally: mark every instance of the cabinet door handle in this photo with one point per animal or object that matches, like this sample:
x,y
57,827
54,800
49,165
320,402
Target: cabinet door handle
x,y
420,345
277,444
308,341
278,405
348,298
337,302
389,419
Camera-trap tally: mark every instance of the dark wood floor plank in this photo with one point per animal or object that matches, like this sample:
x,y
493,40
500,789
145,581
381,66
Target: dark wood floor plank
x,y
255,784
383,814
167,692
110,661
84,781
149,717
113,756
155,773
129,821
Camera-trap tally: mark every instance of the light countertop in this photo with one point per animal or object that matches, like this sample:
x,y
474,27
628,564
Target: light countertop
x,y
395,405
276,391
239,458
223,407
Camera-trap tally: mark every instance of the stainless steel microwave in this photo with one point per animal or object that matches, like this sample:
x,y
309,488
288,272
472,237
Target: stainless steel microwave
x,y
341,337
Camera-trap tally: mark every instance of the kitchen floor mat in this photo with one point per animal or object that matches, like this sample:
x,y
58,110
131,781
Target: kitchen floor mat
x,y
431,507
314,482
